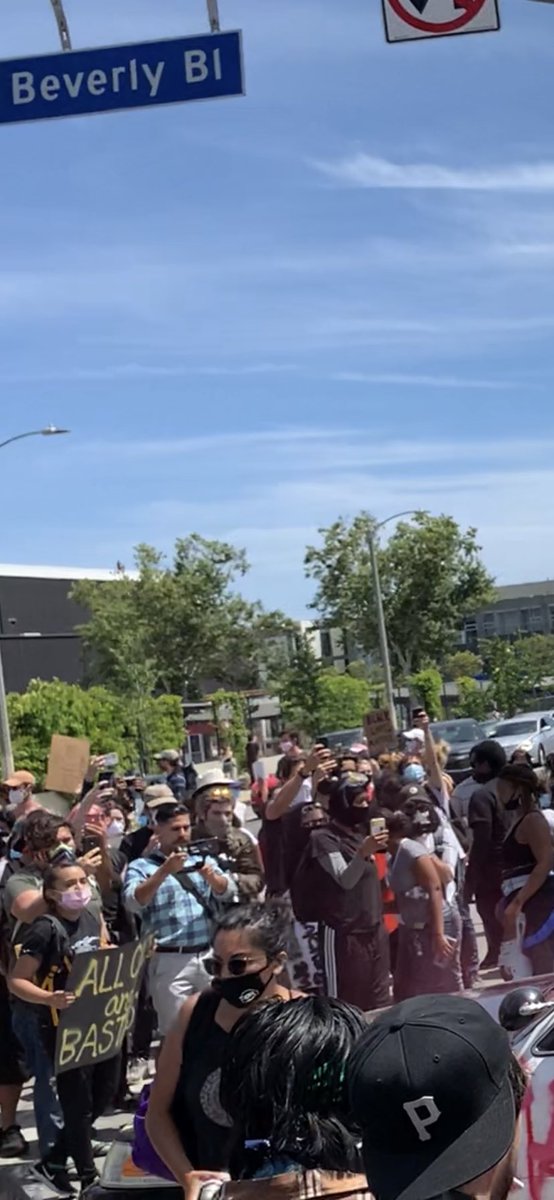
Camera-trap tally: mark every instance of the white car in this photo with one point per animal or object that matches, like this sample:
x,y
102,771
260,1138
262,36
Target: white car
x,y
533,732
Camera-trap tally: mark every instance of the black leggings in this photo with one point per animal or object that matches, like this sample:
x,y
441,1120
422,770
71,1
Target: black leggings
x,y
84,1094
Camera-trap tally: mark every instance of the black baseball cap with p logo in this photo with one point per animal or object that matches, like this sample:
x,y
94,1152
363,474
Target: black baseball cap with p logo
x,y
430,1088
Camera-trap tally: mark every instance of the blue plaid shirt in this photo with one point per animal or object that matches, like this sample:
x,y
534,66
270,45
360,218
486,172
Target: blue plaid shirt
x,y
174,917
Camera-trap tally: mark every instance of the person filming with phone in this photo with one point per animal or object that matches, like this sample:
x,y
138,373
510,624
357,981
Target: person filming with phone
x,y
338,876
177,891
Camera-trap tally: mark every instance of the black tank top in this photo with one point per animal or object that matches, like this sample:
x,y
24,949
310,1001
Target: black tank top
x,y
202,1123
517,859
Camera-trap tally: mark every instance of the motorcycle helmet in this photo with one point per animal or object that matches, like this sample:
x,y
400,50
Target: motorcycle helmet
x,y
520,1007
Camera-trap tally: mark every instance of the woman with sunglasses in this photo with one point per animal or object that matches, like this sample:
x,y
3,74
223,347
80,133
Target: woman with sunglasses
x,y
186,1121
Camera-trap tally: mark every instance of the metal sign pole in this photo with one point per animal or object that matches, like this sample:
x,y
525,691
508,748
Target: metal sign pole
x,y
61,22
213,15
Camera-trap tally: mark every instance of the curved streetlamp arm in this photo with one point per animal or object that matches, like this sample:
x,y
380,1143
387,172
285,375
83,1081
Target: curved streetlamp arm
x,y
19,437
410,512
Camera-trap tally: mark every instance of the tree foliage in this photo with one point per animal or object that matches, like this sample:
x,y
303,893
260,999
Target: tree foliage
x,y
96,713
230,718
315,699
298,687
463,664
518,669
427,685
431,577
177,625
473,701
342,701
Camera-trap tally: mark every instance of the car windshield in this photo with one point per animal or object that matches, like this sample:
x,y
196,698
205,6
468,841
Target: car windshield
x,y
456,731
515,728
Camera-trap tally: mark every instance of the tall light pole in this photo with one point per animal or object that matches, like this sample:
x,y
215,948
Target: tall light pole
x,y
6,752
381,624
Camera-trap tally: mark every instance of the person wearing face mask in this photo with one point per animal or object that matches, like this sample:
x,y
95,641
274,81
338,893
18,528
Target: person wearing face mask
x,y
527,867
337,885
72,924
429,935
214,807
21,801
186,1121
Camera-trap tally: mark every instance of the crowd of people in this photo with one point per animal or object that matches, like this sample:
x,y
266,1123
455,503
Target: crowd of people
x,y
355,893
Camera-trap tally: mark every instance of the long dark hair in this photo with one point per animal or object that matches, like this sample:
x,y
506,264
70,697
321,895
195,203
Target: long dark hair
x,y
283,1081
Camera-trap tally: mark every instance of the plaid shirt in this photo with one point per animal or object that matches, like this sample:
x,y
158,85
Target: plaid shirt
x,y
174,916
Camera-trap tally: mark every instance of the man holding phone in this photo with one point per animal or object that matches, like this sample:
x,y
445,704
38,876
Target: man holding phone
x,y
175,894
353,940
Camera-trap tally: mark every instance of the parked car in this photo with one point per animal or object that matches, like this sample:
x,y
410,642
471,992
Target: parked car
x,y
462,736
533,732
489,727
341,739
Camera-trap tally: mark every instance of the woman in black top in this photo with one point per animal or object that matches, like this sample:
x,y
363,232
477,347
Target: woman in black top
x,y
73,925
186,1122
527,865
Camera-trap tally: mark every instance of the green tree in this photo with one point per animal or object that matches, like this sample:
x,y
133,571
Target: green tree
x,y
177,625
427,685
473,701
509,685
297,685
463,664
96,713
230,717
535,657
342,701
431,577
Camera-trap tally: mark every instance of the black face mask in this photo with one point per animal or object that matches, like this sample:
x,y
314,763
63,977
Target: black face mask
x,y
240,991
356,818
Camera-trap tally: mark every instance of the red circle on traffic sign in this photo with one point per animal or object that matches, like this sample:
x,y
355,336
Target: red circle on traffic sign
x,y
473,8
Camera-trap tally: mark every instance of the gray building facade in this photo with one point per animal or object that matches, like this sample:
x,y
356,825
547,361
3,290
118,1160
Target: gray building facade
x,y
519,609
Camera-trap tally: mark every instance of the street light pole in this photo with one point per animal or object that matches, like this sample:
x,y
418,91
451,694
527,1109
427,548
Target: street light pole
x,y
381,623
6,752
383,642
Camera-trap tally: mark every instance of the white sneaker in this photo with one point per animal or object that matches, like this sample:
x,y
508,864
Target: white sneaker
x,y
137,1071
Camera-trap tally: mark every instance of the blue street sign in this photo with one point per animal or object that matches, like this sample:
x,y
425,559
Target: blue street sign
x,y
81,82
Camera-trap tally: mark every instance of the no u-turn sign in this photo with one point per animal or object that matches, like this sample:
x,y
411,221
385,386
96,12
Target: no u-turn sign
x,y
407,20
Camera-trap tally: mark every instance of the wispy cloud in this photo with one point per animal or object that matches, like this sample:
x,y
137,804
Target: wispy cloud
x,y
367,171
429,381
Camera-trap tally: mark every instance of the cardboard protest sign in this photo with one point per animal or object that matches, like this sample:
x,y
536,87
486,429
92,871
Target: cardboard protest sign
x,y
106,984
67,764
379,731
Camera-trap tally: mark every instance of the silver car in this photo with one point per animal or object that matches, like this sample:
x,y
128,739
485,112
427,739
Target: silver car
x,y
533,732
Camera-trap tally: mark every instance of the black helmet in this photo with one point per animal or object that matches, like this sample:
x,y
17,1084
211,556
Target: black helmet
x,y
520,1007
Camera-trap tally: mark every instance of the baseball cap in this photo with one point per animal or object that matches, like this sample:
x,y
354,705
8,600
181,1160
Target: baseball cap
x,y
430,1088
167,756
158,794
413,792
414,735
20,779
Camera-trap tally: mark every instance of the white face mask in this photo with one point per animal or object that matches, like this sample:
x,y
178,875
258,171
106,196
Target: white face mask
x,y
116,829
17,795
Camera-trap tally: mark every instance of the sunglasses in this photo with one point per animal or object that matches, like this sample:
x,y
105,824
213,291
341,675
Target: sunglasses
x,y
238,965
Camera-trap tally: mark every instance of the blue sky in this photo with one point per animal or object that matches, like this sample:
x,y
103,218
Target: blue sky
x,y
255,314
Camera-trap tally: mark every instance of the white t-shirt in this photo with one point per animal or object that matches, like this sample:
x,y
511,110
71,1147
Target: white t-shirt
x,y
259,771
